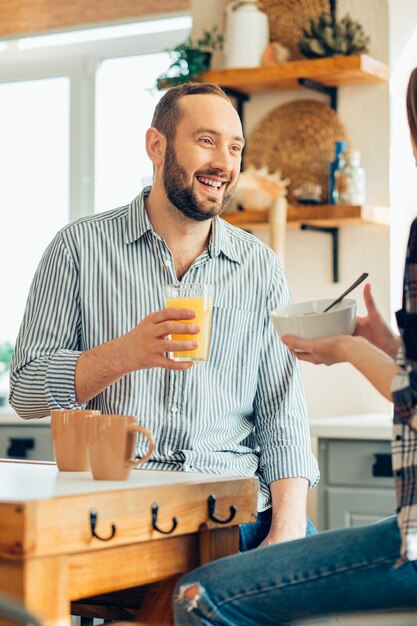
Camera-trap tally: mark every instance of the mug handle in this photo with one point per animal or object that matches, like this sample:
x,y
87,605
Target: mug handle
x,y
134,428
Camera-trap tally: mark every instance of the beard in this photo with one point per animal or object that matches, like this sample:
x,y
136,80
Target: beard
x,y
184,197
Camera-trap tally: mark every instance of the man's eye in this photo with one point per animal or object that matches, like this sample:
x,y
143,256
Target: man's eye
x,y
206,140
237,148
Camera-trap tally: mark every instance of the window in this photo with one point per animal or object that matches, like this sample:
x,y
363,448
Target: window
x,y
34,161
73,106
125,101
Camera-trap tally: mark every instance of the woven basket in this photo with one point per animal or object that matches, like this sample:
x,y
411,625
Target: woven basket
x,y
287,18
297,139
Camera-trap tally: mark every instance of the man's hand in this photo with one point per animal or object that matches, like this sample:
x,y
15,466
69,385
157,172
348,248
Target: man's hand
x,y
145,346
285,533
141,348
289,516
374,328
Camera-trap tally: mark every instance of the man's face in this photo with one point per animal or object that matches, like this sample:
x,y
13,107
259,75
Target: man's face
x,y
202,164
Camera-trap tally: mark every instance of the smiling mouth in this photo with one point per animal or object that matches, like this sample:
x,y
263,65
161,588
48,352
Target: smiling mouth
x,y
210,184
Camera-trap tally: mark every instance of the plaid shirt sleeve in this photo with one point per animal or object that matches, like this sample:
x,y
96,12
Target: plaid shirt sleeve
x,y
404,392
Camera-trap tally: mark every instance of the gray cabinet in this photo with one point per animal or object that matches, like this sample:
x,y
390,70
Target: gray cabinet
x,y
356,484
26,441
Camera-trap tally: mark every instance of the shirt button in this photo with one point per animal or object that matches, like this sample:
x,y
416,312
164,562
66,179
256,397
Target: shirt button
x,y
174,408
170,452
168,263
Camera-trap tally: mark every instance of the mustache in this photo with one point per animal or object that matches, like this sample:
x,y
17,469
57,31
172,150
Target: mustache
x,y
212,172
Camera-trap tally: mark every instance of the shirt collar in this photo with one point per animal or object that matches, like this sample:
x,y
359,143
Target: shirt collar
x,y
221,241
138,224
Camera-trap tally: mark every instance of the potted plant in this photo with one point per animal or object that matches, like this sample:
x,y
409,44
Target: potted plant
x,y
190,58
6,353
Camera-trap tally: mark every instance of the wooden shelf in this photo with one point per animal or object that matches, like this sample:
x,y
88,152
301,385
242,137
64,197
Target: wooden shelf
x,y
319,214
329,72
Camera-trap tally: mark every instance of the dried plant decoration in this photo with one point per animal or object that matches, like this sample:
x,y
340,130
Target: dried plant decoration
x,y
328,37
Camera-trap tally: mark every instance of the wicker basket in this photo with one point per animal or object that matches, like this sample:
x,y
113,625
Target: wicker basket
x,y
288,17
297,139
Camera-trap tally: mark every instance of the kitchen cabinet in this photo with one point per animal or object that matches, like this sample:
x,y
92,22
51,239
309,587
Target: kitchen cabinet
x,y
354,455
24,439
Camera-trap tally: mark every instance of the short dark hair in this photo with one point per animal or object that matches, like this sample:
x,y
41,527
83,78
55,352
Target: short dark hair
x,y
168,113
412,105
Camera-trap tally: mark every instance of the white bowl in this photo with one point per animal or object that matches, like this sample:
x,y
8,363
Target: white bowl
x,y
307,320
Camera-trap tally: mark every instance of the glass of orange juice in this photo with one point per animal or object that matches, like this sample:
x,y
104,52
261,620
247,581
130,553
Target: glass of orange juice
x,y
199,298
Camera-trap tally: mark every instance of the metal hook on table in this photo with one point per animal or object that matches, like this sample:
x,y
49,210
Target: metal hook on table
x,y
93,522
155,508
212,506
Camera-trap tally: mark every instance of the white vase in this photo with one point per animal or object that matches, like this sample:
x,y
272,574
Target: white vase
x,y
247,34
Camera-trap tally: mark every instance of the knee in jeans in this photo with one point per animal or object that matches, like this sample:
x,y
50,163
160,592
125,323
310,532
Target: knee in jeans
x,y
189,595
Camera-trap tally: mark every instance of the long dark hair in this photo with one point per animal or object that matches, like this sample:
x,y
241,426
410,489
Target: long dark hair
x,y
412,105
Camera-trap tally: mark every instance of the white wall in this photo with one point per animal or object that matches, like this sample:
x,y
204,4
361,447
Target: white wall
x,y
403,176
339,390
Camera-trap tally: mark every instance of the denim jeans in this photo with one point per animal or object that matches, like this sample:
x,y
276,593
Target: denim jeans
x,y
334,572
251,535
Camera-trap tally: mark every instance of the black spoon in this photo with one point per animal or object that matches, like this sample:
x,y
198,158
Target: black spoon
x,y
348,290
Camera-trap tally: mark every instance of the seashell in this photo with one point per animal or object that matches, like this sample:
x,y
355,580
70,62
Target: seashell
x,y
257,189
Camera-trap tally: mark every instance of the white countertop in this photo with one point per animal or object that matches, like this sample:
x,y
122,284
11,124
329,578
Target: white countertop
x,y
24,481
364,426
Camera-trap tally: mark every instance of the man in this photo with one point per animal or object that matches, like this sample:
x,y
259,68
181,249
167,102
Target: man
x,y
95,332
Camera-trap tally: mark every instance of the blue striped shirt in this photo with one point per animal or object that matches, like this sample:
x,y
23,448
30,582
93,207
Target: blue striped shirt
x,y
242,413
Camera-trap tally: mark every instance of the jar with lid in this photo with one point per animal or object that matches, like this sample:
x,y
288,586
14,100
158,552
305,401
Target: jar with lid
x,y
350,180
247,34
356,178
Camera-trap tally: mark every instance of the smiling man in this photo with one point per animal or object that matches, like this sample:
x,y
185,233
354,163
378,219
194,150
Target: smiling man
x,y
96,334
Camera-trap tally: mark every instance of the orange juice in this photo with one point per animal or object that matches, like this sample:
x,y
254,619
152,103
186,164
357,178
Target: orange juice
x,y
202,305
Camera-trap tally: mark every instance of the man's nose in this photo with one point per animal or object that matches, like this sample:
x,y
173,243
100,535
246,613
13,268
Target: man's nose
x,y
222,159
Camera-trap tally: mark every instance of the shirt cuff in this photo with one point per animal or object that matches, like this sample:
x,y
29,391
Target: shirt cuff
x,y
60,380
289,462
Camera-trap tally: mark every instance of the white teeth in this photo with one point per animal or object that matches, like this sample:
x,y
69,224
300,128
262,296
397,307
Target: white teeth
x,y
213,183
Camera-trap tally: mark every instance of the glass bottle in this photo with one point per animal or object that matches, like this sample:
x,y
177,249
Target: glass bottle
x,y
340,148
340,185
355,178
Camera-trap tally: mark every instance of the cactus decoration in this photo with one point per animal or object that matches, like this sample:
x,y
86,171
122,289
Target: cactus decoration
x,y
327,37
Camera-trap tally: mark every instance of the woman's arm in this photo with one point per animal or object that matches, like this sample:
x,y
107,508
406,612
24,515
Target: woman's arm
x,y
374,328
379,368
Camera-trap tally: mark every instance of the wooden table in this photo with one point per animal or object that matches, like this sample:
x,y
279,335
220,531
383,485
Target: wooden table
x,y
49,555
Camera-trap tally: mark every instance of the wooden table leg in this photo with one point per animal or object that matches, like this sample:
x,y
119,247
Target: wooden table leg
x,y
40,584
156,609
217,543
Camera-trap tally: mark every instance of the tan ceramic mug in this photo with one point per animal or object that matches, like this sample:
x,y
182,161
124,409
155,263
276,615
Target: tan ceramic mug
x,y
69,432
112,446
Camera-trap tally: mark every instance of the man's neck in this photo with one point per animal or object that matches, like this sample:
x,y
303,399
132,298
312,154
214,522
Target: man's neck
x,y
185,238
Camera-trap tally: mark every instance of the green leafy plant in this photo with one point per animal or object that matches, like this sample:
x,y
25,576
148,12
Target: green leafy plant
x,y
6,353
328,37
190,58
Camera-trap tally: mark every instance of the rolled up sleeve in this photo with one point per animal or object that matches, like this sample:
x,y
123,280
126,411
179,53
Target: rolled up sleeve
x,y
42,375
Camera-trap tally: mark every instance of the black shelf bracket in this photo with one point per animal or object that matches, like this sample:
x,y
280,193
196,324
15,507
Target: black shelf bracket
x,y
240,97
329,91
334,232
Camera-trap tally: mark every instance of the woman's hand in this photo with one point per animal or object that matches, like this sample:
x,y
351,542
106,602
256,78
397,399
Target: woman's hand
x,y
375,364
374,328
326,350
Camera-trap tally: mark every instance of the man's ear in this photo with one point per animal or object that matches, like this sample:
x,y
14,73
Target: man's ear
x,y
155,146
